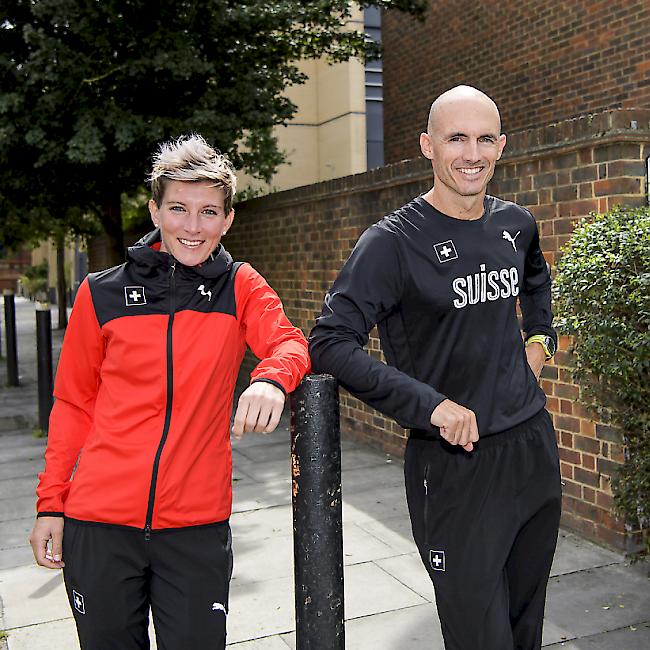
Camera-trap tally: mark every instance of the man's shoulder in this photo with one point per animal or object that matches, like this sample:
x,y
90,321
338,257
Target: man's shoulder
x,y
513,209
398,222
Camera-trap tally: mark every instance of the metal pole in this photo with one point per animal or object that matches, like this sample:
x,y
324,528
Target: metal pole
x,y
317,514
10,335
44,362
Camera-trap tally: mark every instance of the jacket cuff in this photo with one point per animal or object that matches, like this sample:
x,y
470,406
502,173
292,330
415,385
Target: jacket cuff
x,y
277,384
49,514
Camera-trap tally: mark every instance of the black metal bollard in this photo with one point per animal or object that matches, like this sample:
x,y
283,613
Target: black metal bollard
x,y
10,336
44,363
317,514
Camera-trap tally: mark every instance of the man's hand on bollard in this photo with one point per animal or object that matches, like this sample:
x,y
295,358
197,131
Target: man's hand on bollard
x,y
47,542
457,424
259,409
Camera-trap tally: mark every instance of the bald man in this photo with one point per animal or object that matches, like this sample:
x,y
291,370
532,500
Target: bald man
x,y
441,277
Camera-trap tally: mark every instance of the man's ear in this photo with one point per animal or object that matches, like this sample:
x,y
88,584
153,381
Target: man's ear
x,y
425,146
502,144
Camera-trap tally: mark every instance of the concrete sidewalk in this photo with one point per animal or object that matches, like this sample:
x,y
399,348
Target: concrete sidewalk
x,y
596,600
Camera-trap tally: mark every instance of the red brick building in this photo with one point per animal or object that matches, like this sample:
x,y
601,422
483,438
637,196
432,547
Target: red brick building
x,y
542,61
12,267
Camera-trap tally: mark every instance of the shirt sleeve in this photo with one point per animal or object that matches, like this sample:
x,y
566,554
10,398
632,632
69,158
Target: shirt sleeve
x,y
281,347
368,288
535,295
75,393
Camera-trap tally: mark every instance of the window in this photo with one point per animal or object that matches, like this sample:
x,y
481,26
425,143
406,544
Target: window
x,y
374,94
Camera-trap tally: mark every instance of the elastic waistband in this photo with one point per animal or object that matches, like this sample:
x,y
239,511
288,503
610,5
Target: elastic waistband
x,y
493,440
154,531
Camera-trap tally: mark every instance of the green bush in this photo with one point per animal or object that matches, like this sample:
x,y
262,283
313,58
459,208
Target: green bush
x,y
34,281
603,301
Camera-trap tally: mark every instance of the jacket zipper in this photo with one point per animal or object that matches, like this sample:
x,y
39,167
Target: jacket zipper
x,y
168,409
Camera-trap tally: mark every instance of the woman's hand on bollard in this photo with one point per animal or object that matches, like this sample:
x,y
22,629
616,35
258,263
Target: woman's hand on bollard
x,y
259,409
47,542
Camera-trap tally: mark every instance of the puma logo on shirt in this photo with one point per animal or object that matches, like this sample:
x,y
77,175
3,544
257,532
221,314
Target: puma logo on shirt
x,y
507,236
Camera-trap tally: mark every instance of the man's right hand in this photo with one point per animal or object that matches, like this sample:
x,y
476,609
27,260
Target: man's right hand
x,y
46,529
456,423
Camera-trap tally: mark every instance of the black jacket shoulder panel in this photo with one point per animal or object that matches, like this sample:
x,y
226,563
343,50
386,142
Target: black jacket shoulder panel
x,y
142,286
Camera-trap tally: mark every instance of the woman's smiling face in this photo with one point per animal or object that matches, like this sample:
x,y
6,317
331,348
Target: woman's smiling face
x,y
192,220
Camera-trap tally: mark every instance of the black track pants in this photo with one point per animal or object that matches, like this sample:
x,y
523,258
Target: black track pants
x,y
486,526
113,575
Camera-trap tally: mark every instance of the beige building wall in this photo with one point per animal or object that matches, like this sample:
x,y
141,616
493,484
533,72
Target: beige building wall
x,y
47,251
327,136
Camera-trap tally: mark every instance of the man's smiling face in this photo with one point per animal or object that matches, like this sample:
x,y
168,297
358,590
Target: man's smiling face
x,y
463,142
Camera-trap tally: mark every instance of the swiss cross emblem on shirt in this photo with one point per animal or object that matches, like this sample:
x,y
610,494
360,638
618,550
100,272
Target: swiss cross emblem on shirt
x,y
446,251
134,296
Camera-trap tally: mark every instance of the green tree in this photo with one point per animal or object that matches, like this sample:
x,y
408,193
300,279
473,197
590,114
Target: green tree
x,y
89,87
603,301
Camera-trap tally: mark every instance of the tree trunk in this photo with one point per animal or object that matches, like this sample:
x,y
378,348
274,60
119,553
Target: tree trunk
x,y
111,219
61,289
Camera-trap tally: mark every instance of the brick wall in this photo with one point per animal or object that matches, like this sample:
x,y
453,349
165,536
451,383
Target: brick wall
x,y
542,61
299,239
12,267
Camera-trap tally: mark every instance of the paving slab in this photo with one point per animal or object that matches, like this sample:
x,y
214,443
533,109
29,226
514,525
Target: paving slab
x,y
370,478
359,457
359,546
410,571
273,470
274,449
15,532
255,561
32,595
372,505
634,637
413,628
21,468
260,609
19,486
19,556
576,554
53,634
23,441
17,507
253,496
597,600
262,523
370,590
18,454
392,531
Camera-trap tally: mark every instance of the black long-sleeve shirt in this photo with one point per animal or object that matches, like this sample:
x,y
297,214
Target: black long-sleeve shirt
x,y
443,294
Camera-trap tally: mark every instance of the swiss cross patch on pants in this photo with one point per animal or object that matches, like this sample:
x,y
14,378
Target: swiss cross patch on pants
x,y
437,560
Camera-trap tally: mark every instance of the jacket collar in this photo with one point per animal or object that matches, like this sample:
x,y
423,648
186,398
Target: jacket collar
x,y
143,253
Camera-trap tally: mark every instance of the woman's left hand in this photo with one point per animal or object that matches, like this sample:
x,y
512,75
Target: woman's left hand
x,y
259,409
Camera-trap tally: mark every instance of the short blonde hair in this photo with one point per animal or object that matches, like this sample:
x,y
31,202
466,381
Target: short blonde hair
x,y
191,159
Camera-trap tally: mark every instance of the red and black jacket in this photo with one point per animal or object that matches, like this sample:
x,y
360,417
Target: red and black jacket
x,y
145,384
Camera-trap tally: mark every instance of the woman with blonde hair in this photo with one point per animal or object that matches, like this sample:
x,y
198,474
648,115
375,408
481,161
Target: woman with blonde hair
x,y
138,463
